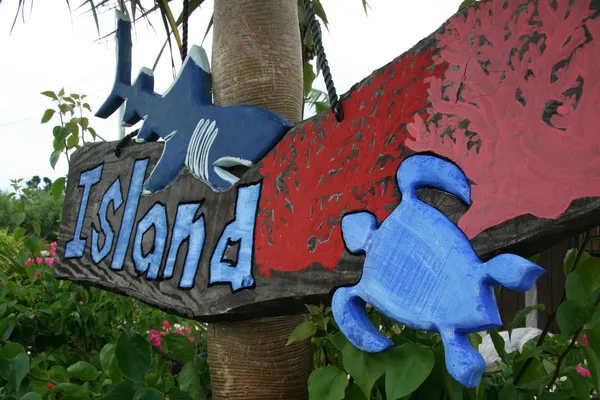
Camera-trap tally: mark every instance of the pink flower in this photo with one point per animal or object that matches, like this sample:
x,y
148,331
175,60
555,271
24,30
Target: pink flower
x,y
188,329
155,337
53,248
39,260
180,332
583,371
81,303
191,339
49,260
51,386
29,262
37,274
166,324
585,340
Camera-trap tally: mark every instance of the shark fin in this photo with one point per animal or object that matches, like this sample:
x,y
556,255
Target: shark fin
x,y
423,170
513,272
463,362
165,171
357,229
350,315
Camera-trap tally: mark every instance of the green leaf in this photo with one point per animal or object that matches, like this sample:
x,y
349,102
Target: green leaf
x,y
309,77
72,141
32,243
574,287
589,271
47,115
58,187
11,350
51,94
327,383
58,373
18,233
108,361
593,365
54,158
508,392
580,384
178,346
302,332
499,344
18,218
320,12
475,339
314,310
354,392
14,369
409,366
134,355
61,92
364,367
83,370
119,391
571,315
72,127
93,132
148,394
36,227
338,340
84,122
521,314
60,132
31,396
58,145
189,381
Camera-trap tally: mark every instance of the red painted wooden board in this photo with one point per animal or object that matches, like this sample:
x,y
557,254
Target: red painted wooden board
x,y
508,90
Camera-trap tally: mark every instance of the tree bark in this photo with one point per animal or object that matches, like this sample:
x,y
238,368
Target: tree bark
x,y
256,60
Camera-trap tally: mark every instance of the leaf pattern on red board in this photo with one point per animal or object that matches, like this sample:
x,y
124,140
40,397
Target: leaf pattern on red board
x,y
522,129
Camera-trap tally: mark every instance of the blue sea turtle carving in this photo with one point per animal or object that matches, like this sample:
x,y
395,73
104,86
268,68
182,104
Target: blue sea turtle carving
x,y
204,138
420,270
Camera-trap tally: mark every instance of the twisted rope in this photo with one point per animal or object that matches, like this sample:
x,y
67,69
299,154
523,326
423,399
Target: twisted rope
x,y
315,29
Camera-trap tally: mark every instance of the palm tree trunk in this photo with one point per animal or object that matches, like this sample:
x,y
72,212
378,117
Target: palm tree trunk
x,y
256,59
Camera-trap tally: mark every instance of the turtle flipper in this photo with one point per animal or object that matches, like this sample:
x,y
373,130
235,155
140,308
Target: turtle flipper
x,y
513,272
463,362
350,315
429,171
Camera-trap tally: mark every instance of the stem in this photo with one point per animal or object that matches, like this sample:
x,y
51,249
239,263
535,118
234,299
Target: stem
x,y
39,378
62,123
552,316
564,353
166,356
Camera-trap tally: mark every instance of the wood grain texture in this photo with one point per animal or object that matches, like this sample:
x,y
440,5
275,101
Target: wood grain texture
x,y
322,169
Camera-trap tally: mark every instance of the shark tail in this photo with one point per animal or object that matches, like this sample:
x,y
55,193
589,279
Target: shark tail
x,y
122,83
357,230
429,171
513,272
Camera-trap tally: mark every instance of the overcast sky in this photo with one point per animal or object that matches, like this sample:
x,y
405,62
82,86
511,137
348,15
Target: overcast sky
x,y
54,49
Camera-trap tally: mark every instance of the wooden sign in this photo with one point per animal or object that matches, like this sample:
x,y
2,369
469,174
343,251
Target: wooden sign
x,y
505,93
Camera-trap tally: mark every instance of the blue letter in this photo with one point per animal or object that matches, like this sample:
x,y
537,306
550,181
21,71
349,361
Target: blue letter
x,y
87,179
157,217
186,227
114,195
241,230
133,199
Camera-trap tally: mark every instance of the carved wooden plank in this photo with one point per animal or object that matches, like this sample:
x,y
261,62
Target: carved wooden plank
x,y
507,90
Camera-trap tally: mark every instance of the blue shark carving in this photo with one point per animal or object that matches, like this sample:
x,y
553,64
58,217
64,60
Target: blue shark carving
x,y
204,138
420,270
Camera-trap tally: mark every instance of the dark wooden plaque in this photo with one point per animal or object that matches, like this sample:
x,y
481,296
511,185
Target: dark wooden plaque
x,y
506,90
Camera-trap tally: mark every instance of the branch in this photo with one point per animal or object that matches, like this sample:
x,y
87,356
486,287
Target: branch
x,y
552,316
564,353
166,356
39,378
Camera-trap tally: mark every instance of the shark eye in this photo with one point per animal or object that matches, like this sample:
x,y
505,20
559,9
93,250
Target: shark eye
x,y
231,169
